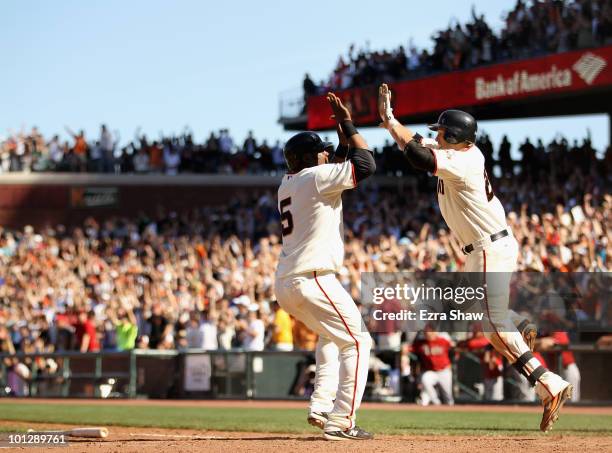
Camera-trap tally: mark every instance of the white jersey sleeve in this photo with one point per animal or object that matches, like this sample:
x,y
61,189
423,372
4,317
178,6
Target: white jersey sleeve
x,y
335,178
448,168
466,198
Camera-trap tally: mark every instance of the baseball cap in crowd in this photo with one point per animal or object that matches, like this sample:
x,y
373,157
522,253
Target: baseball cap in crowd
x,y
184,317
404,241
242,300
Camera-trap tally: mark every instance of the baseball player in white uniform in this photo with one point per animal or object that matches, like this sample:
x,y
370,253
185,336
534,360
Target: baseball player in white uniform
x,y
310,205
475,215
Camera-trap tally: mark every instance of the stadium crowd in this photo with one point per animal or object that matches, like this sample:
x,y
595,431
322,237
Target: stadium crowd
x,y
31,152
204,279
532,28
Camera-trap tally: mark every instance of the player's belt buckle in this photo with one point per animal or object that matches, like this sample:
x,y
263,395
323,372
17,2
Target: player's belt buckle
x,y
494,237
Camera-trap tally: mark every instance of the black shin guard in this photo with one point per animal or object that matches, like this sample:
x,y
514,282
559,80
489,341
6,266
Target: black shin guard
x,y
521,366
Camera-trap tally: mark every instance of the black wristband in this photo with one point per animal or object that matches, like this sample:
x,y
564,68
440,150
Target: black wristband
x,y
341,151
417,138
348,128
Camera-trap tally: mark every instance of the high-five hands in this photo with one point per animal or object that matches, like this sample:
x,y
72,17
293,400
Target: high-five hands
x,y
341,113
384,105
347,133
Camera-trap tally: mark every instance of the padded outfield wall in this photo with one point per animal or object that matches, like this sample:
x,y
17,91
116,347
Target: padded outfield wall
x,y
41,199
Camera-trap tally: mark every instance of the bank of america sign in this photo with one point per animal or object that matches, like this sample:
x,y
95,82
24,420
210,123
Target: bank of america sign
x,y
589,66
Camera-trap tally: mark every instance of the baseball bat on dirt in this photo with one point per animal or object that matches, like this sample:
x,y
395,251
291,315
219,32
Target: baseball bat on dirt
x,y
97,432
88,432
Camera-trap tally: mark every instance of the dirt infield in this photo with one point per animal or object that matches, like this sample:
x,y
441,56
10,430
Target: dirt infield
x,y
141,440
158,440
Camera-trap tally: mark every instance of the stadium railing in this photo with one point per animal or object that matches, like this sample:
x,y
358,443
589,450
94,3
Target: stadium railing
x,y
237,374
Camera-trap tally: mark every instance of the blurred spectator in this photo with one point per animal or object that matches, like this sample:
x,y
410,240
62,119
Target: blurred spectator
x,y
250,145
126,329
18,374
56,152
309,86
203,333
389,334
282,329
79,150
532,28
86,333
107,146
159,327
141,161
569,369
505,159
172,159
304,339
95,162
433,349
254,330
226,144
491,361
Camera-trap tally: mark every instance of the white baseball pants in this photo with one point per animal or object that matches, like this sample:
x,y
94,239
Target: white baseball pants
x,y
497,261
430,379
343,351
494,389
571,374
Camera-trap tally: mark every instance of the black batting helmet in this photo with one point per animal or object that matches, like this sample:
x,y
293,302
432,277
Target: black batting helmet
x,y
459,126
301,150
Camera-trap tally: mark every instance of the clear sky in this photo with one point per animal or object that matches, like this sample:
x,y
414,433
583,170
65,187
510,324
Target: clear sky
x,y
164,65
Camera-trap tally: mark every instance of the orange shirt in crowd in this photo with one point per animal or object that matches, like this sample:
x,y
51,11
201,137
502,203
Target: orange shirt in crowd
x,y
155,157
80,145
303,338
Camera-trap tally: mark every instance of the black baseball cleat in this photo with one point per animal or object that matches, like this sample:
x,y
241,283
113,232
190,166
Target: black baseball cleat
x,y
355,433
317,419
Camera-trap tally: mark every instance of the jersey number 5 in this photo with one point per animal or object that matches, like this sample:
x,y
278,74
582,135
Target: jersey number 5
x,y
286,217
488,188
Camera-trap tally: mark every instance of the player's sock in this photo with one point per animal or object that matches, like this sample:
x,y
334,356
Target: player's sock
x,y
339,422
530,367
547,384
550,385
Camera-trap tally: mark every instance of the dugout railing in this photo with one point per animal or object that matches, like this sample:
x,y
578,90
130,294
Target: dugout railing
x,y
238,374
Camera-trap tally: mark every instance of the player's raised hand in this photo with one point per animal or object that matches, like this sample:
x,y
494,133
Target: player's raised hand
x,y
384,103
340,112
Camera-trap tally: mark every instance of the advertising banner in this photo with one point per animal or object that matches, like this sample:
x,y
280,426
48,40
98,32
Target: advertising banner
x,y
557,73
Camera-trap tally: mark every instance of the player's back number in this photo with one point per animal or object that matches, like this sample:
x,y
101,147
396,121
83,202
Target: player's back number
x,y
286,217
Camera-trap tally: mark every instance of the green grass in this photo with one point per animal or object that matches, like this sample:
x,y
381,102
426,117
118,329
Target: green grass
x,y
411,421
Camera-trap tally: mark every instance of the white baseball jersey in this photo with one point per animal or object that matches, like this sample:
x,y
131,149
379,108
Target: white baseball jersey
x,y
310,206
467,202
472,211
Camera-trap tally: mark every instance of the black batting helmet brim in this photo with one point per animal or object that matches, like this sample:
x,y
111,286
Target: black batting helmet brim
x,y
327,146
